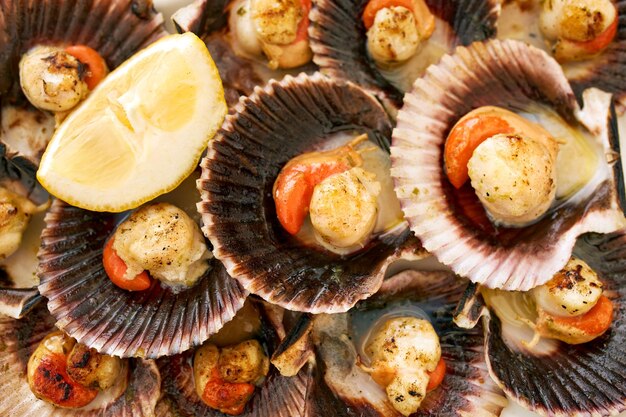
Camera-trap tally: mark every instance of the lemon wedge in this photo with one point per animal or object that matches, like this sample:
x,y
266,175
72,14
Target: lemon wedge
x,y
141,132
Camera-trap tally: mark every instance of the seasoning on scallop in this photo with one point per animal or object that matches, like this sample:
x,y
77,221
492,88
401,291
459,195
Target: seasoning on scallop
x,y
406,360
57,79
274,28
578,29
510,160
157,241
342,197
572,307
228,368
68,374
226,378
396,29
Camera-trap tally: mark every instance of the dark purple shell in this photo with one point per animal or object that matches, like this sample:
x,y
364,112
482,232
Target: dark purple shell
x,y
512,75
283,120
338,38
90,308
115,28
576,380
466,389
19,338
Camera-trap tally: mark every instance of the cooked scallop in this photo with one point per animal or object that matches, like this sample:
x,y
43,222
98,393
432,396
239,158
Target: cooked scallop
x,y
276,21
52,79
514,177
402,352
47,374
576,20
344,209
394,36
245,362
579,29
204,361
165,241
573,291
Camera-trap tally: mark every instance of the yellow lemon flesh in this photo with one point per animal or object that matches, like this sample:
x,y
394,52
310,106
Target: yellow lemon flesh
x,y
140,132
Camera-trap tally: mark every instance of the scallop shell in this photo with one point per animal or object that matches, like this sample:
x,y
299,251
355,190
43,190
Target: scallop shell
x,y
514,75
269,128
575,380
115,28
466,389
339,47
19,338
90,308
209,20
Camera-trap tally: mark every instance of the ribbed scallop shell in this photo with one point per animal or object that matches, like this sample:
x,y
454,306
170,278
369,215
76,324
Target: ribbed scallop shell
x,y
466,389
115,28
576,380
338,38
90,308
513,75
19,338
269,128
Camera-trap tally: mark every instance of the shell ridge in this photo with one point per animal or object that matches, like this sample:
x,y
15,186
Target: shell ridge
x,y
590,377
487,63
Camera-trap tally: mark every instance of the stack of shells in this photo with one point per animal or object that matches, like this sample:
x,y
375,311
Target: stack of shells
x,y
315,306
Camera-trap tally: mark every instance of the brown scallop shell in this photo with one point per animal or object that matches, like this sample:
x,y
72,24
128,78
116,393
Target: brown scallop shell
x,y
269,128
116,29
466,389
338,38
575,380
513,75
19,338
90,308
